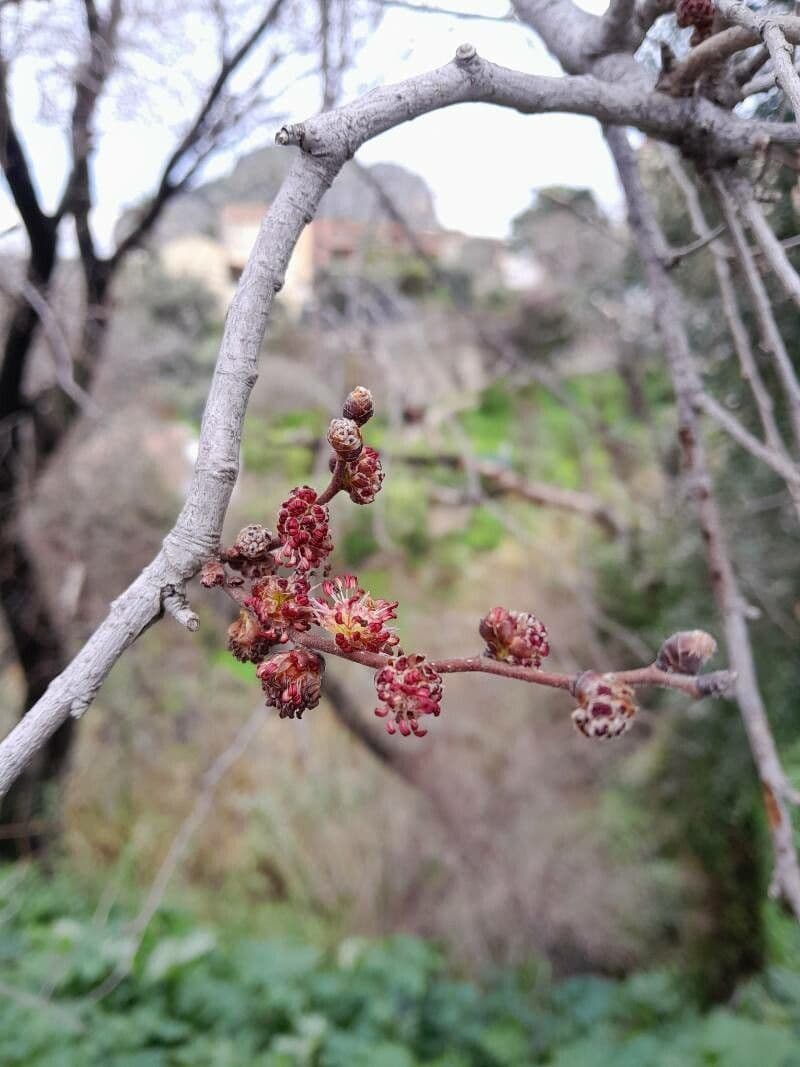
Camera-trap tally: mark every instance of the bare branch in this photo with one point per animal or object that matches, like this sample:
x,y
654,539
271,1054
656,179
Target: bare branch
x,y
779,33
761,303
774,251
730,303
777,461
433,9
714,51
668,312
201,128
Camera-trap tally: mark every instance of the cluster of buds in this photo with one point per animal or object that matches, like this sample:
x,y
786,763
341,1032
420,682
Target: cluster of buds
x,y
408,688
686,652
278,609
303,530
280,605
607,707
696,13
356,620
292,681
515,637
362,478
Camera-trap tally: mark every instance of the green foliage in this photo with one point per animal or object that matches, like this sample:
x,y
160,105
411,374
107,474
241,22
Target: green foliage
x,y
202,998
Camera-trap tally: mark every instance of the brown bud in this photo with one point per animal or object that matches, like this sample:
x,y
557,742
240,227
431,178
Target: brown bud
x,y
686,652
253,542
344,437
359,405
213,573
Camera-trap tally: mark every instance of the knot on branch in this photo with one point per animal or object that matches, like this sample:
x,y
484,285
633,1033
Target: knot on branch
x,y
291,135
465,53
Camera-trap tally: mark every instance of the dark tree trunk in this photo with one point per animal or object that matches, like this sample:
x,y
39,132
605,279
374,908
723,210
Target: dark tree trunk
x,y
29,813
25,825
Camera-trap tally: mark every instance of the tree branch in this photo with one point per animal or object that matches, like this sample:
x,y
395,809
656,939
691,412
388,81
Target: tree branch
x,y
698,686
668,312
169,184
777,31
761,303
774,251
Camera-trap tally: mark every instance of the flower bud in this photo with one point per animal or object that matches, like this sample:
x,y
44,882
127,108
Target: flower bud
x,y
213,573
344,437
246,640
363,477
359,405
292,681
514,636
607,707
697,13
686,652
253,542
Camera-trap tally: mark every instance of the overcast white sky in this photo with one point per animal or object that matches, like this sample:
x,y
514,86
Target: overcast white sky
x,y
481,162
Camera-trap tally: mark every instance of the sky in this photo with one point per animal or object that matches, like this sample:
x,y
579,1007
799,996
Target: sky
x,y
482,163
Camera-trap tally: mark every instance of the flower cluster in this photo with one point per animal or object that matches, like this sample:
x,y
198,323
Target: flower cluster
x,y
292,681
246,640
356,620
362,479
607,707
697,13
408,688
303,530
514,636
280,605
278,609
686,651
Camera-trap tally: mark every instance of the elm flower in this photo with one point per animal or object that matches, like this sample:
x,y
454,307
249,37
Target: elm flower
x,y
408,688
303,530
280,605
356,620
292,681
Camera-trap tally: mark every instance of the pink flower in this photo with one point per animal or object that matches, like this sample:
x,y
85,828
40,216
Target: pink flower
x,y
292,681
356,620
514,636
607,707
303,530
408,688
281,604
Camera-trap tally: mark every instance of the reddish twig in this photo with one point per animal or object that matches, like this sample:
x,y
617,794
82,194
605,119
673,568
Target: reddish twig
x,y
695,686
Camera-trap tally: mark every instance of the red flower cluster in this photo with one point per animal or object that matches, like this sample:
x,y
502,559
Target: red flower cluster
x,y
697,13
607,707
303,530
247,641
514,636
281,604
363,478
292,681
408,688
356,620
